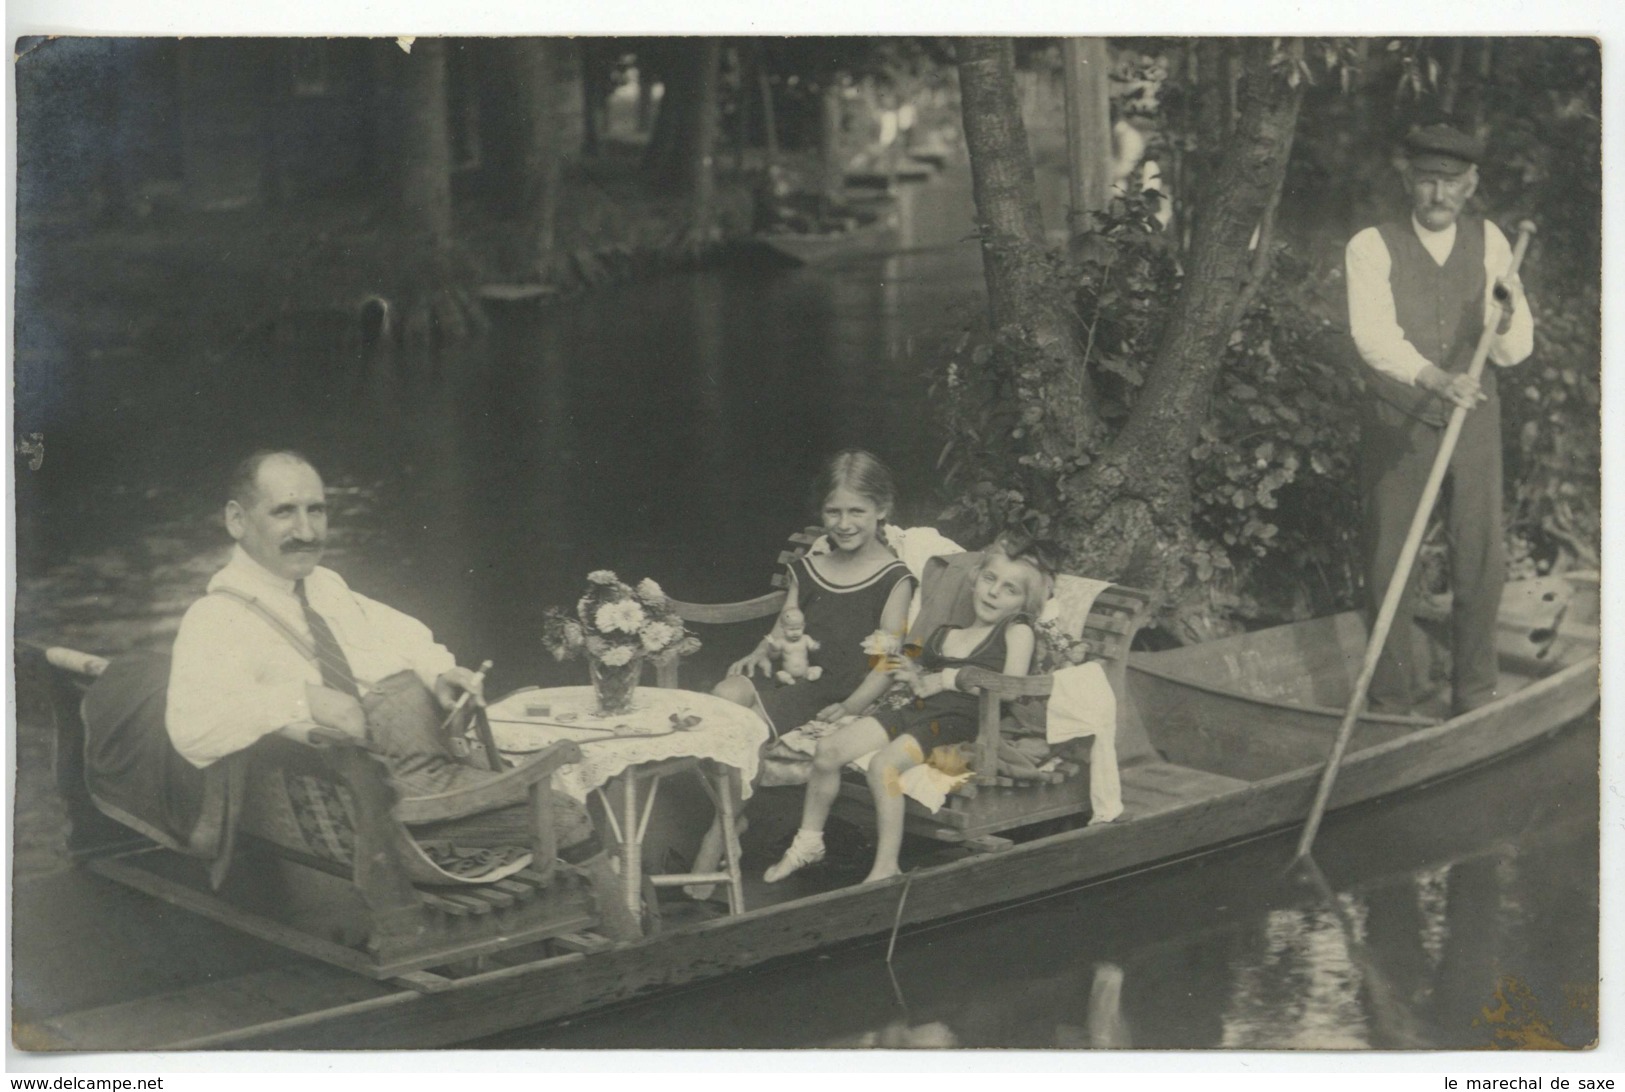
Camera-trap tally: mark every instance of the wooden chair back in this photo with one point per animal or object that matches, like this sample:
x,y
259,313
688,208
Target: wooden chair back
x,y
402,916
1112,620
767,605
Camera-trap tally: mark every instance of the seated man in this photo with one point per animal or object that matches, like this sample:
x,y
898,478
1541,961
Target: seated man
x,y
282,645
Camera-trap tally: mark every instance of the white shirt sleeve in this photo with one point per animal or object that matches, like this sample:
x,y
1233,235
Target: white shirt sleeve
x,y
230,683
1514,346
1372,319
407,638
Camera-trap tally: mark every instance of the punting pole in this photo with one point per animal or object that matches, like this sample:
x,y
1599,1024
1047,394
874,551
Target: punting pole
x,y
1402,571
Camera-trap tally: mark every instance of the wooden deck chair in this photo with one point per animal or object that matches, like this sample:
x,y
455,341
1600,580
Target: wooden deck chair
x,y
352,887
766,605
1107,617
988,803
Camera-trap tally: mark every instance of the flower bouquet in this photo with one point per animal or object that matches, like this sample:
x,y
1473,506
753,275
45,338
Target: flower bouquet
x,y
1058,648
616,628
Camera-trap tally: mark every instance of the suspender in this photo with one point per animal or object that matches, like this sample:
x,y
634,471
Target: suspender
x,y
298,640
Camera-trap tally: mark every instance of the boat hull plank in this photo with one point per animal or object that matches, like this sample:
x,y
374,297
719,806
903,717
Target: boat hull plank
x,y
209,1008
1158,786
486,1004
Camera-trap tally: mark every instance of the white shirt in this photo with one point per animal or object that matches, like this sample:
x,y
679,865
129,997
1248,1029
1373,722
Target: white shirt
x,y
1375,326
235,678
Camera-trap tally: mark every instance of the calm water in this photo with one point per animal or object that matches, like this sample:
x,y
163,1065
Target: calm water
x,y
671,429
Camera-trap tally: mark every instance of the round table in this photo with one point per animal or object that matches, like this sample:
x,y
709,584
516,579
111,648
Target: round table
x,y
667,731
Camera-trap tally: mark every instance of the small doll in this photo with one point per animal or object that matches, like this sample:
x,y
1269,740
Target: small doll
x,y
793,650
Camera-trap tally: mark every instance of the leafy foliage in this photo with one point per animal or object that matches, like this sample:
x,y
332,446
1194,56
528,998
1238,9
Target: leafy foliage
x,y
1274,472
1274,511
996,394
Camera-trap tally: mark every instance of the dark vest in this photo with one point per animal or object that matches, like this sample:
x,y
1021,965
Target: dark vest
x,y
1440,309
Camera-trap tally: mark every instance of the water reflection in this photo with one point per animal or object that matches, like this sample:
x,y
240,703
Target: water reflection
x,y
1410,950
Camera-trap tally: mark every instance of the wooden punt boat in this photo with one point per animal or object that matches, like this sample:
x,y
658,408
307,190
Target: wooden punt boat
x,y
1242,725
800,248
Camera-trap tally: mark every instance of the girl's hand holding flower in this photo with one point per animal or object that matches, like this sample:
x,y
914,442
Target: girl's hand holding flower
x,y
905,670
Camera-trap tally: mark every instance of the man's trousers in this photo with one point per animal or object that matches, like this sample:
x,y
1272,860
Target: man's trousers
x,y
1397,453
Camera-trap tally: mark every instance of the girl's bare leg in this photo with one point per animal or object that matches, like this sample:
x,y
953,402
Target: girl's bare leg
x,y
834,752
737,689
858,738
885,770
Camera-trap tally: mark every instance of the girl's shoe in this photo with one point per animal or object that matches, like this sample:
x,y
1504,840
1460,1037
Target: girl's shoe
x,y
807,848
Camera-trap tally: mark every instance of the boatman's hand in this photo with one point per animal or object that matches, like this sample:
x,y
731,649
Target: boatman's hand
x,y
339,711
1463,389
452,684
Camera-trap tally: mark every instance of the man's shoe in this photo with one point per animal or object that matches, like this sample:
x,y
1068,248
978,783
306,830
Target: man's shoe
x,y
807,848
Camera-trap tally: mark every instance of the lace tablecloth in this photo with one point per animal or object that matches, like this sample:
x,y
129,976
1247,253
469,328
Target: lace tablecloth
x,y
725,732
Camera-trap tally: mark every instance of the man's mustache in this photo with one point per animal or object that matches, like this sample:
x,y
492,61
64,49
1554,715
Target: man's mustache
x,y
298,546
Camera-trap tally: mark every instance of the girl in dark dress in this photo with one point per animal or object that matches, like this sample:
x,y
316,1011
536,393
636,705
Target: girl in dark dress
x,y
856,588
1011,587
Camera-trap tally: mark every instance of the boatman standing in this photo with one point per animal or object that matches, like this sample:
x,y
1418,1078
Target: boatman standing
x,y
1421,290
281,645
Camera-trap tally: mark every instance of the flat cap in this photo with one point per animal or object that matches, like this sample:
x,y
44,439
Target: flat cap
x,y
1442,149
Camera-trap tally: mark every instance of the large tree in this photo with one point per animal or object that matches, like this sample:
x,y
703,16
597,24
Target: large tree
x,y
1085,71
429,283
522,113
1125,502
1027,303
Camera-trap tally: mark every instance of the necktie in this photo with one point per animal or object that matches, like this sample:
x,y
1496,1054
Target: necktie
x,y
335,667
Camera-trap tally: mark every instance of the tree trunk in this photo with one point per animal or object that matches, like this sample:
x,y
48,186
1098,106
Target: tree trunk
x,y
1023,294
667,158
1452,79
1141,488
1179,158
536,82
770,124
591,96
221,98
832,172
700,152
1084,66
1211,100
1481,100
423,163
432,304
646,99
739,92
658,153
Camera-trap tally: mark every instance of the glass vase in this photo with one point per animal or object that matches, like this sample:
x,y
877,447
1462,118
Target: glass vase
x,y
615,687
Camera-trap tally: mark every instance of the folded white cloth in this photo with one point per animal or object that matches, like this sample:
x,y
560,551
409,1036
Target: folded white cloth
x,y
924,783
1074,598
1082,704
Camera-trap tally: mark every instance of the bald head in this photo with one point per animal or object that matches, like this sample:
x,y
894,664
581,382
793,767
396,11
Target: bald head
x,y
278,512
245,476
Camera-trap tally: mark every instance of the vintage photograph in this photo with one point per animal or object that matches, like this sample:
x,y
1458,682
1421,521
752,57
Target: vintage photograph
x,y
702,543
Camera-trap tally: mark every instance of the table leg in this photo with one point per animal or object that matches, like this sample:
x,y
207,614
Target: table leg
x,y
631,845
727,779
